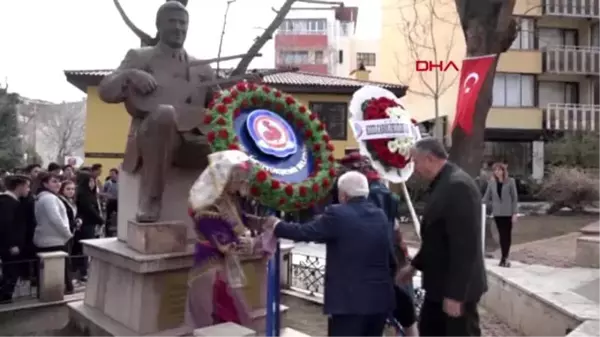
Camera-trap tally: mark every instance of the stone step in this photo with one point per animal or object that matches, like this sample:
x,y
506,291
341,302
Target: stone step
x,y
233,329
587,251
591,229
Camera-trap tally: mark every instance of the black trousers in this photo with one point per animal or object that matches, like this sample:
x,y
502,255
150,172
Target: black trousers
x,y
405,306
504,225
65,248
12,267
434,321
356,325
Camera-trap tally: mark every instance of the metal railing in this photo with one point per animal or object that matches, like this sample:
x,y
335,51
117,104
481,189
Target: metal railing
x,y
572,117
571,60
572,8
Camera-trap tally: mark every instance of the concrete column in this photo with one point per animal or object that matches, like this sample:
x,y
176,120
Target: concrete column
x,y
537,160
51,283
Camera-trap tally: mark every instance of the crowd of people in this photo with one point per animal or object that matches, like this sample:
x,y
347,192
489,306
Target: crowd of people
x,y
52,210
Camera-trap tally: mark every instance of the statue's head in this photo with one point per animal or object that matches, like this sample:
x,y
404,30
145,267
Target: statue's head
x,y
172,23
183,2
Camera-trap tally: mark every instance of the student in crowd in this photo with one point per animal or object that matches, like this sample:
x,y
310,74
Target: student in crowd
x,y
501,195
111,194
27,211
68,173
55,169
12,234
89,212
52,231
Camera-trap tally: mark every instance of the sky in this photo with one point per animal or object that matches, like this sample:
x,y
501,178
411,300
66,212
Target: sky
x,y
42,38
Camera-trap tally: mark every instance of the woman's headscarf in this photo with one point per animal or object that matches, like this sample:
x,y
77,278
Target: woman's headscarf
x,y
225,167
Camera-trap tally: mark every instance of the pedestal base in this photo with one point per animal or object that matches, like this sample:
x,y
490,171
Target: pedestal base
x,y
157,237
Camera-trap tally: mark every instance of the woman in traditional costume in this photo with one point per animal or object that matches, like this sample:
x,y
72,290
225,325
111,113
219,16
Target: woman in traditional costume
x,y
223,235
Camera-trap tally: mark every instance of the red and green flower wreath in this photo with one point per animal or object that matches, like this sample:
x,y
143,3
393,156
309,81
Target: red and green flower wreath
x,y
227,106
376,109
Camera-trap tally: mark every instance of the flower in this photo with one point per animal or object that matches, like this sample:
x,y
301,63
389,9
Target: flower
x,y
401,145
396,112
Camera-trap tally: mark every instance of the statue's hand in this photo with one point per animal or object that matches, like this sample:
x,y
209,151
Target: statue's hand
x,y
141,81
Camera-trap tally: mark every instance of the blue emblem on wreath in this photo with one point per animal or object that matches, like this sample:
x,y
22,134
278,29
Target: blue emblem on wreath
x,y
271,133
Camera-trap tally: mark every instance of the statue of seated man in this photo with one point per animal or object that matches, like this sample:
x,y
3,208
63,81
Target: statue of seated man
x,y
166,100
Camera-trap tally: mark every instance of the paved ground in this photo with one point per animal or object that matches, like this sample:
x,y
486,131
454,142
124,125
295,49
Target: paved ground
x,y
308,318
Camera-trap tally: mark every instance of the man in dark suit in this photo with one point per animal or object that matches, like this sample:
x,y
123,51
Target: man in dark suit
x,y
359,291
451,256
12,234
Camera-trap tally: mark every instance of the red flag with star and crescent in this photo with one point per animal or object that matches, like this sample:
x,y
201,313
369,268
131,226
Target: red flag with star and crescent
x,y
472,76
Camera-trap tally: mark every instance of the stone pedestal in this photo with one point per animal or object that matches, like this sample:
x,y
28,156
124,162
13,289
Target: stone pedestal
x,y
587,249
157,237
52,276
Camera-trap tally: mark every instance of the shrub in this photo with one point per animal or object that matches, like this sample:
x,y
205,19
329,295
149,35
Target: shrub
x,y
569,187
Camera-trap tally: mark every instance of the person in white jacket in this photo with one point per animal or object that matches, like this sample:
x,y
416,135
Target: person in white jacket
x,y
52,232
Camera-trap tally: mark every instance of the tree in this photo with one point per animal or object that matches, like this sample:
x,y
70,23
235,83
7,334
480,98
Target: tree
x,y
63,128
421,24
488,28
577,149
11,152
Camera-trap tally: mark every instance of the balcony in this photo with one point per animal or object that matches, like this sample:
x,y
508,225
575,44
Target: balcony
x,y
587,9
572,117
571,60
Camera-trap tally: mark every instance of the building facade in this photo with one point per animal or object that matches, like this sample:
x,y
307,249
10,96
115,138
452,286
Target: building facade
x,y
546,83
325,44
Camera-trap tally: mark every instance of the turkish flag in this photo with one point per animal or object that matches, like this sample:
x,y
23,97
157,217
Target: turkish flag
x,y
472,76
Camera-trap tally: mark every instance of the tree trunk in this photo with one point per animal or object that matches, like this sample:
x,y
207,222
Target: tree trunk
x,y
489,28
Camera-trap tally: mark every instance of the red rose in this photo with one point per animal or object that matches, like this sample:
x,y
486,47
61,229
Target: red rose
x,y
216,94
332,172
210,136
241,86
308,133
298,205
277,93
233,147
254,101
227,100
279,107
233,93
251,86
254,191
275,184
289,190
326,138
221,121
300,124
211,105
244,104
302,109
316,147
282,201
316,188
221,108
237,112
321,126
261,176
302,191
318,160
312,117
207,119
414,121
325,183
223,133
289,100
266,89
330,147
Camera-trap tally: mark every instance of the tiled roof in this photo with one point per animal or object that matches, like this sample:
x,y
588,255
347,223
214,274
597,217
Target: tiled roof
x,y
287,80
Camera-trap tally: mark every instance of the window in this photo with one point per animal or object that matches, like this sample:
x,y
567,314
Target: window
x,y
595,35
557,92
551,37
304,26
294,57
319,57
513,90
525,36
368,59
340,56
334,115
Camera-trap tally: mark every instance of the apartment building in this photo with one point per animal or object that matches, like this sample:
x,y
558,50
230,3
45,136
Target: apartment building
x,y
546,84
324,44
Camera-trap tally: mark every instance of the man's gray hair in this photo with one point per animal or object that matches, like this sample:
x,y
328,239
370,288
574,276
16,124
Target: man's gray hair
x,y
353,184
432,146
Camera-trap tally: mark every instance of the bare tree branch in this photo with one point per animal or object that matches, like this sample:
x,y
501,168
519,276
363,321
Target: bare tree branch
x,y
62,126
262,40
229,2
420,25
